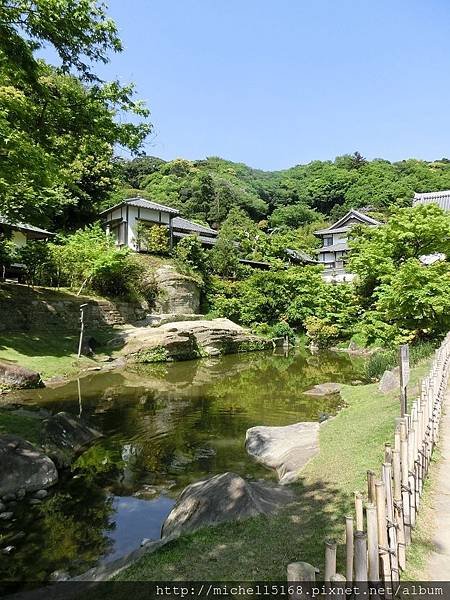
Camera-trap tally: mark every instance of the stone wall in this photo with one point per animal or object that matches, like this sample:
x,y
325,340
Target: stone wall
x,y
23,309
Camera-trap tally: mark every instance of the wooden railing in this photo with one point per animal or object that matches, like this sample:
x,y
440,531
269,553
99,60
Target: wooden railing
x,y
377,535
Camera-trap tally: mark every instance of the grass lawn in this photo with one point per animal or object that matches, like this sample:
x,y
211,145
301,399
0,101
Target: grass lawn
x,y
49,353
21,425
261,548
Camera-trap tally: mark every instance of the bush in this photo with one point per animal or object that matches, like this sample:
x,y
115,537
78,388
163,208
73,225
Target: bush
x,y
320,332
36,257
384,360
190,255
153,238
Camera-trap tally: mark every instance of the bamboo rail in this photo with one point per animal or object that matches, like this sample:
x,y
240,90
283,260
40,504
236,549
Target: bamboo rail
x,y
377,536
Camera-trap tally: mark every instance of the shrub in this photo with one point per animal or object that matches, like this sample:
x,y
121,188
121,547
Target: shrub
x,y
189,254
153,238
383,360
320,332
36,257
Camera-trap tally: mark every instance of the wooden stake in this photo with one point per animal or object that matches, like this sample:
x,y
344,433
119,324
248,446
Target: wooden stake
x,y
349,548
382,531
330,559
372,544
359,511
360,543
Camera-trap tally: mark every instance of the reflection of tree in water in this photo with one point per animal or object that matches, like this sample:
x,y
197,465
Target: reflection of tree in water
x,y
66,531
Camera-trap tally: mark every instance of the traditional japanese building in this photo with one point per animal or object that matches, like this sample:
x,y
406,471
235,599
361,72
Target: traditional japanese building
x,y
333,253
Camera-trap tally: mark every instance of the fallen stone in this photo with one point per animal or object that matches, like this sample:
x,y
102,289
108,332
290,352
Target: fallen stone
x,y
390,380
285,449
23,467
186,340
65,437
14,376
225,497
324,389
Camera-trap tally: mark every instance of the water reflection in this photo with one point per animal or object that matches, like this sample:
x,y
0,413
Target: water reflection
x,y
164,426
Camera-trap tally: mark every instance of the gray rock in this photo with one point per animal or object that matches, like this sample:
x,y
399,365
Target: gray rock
x,y
59,576
390,380
65,437
324,389
16,377
23,467
225,497
40,494
177,293
34,501
285,449
2,507
8,549
20,494
9,497
6,516
186,340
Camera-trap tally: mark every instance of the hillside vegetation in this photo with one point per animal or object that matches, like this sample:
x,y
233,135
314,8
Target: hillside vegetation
x,y
208,189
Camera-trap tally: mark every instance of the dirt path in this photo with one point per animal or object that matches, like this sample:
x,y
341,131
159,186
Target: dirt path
x,y
438,568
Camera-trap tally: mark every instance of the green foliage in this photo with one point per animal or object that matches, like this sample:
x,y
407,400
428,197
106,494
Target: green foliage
x,y
190,253
57,127
382,360
153,238
321,333
88,258
403,299
293,215
36,256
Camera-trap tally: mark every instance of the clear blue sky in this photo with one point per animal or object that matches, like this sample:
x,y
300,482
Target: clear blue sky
x,y
274,83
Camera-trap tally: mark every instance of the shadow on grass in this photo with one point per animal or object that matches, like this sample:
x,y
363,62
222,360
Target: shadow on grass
x,y
254,549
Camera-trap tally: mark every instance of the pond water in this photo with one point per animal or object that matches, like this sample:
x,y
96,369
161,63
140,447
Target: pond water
x,y
164,426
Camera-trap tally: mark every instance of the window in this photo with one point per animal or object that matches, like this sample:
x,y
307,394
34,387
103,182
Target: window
x,y
328,241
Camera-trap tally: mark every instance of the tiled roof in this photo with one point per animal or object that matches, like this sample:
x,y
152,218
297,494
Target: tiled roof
x,y
142,203
180,223
340,226
442,199
203,238
24,226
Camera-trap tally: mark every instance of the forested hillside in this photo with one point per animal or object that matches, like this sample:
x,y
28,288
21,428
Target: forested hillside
x,y
208,189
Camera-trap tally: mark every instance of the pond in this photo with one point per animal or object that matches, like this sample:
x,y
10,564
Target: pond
x,y
164,426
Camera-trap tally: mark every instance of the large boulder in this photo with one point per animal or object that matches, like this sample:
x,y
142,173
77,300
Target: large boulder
x,y
65,437
285,449
177,293
14,376
225,497
186,340
24,467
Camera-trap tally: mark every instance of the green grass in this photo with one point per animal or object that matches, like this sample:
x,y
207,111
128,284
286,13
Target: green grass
x,y
49,353
262,547
21,425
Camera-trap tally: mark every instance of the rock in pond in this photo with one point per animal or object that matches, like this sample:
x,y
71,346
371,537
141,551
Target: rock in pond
x,y
14,376
390,380
225,497
185,340
65,437
324,389
23,467
285,449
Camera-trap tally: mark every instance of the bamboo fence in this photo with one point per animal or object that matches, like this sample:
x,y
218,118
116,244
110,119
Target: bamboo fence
x,y
379,532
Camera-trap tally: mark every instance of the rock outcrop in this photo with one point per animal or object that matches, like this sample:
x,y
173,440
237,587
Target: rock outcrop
x,y
65,437
186,340
285,449
14,376
177,293
23,468
225,497
324,389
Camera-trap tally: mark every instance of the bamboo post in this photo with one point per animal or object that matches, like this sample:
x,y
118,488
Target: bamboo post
x,y
382,531
360,544
405,480
359,511
398,509
392,529
371,486
372,544
330,559
349,548
387,452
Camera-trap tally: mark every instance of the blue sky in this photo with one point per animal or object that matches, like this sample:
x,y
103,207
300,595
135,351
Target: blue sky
x,y
274,83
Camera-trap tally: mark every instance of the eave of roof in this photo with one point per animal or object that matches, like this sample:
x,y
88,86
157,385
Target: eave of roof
x,y
336,227
203,238
25,227
442,198
185,224
333,248
142,203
